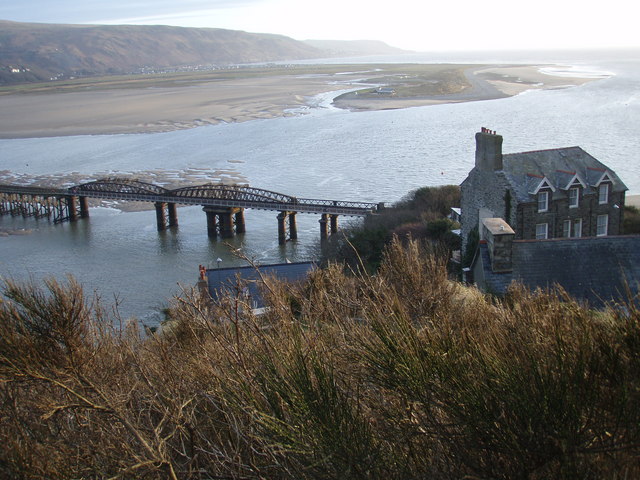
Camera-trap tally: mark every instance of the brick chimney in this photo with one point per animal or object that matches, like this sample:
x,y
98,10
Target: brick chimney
x,y
488,150
499,236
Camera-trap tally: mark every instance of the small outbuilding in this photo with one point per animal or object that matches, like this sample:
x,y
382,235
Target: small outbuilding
x,y
222,281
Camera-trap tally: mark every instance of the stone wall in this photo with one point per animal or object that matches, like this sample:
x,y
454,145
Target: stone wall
x,y
483,190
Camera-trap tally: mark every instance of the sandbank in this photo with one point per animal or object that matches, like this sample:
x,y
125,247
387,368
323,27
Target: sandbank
x,y
484,83
172,107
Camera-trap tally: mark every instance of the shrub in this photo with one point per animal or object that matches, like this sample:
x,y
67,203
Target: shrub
x,y
401,374
419,215
631,220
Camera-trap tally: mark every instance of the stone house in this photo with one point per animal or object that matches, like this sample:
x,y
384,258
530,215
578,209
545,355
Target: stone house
x,y
543,194
548,217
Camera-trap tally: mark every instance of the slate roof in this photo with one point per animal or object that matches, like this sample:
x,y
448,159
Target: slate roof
x,y
525,170
224,279
591,269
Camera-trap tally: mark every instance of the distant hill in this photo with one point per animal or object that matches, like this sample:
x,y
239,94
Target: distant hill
x,y
354,48
34,52
39,52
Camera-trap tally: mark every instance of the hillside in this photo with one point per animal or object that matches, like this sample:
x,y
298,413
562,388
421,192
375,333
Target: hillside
x,y
36,52
33,52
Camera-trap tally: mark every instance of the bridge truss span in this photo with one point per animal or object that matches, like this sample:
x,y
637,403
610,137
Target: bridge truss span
x,y
118,186
224,204
232,193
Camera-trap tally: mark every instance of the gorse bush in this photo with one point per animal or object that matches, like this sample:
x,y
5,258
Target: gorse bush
x,y
401,374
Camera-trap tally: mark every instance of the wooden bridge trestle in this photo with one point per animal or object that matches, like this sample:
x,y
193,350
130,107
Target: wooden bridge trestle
x,y
59,206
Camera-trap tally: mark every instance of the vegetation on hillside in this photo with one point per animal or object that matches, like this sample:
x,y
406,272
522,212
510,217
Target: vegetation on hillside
x,y
631,220
421,215
44,51
397,375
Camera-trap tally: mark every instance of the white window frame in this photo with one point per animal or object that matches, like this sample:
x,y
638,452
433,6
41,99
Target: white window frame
x,y
602,225
566,228
542,235
577,228
603,193
543,199
574,197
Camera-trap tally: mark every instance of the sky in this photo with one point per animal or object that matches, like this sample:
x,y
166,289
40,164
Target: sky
x,y
420,25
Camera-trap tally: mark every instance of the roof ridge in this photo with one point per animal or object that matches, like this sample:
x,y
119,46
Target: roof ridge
x,y
544,150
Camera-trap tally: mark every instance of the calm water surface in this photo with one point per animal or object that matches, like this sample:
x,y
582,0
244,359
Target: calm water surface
x,y
326,153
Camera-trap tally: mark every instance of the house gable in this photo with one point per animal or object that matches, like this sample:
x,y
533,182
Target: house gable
x,y
543,183
605,177
574,181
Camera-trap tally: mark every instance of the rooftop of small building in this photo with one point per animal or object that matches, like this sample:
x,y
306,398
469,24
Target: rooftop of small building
x,y
222,280
497,226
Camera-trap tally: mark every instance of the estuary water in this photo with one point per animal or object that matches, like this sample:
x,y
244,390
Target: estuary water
x,y
323,152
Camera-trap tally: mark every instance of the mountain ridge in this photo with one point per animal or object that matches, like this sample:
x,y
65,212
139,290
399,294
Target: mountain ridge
x,y
32,52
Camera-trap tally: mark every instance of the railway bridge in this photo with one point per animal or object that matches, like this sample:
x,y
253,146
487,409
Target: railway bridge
x,y
224,205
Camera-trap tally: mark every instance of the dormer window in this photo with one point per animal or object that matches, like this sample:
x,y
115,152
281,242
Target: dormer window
x,y
543,201
603,193
574,197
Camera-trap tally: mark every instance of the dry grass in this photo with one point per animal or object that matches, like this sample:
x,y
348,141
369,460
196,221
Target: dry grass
x,y
402,374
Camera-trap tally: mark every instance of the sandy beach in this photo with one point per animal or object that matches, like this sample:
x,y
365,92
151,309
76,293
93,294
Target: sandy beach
x,y
148,109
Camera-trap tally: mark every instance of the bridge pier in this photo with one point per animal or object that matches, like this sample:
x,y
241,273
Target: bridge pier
x,y
166,215
293,227
172,209
84,207
334,224
324,232
224,221
72,207
282,227
328,225
239,221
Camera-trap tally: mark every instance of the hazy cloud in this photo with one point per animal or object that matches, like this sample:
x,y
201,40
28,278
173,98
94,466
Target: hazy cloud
x,y
410,24
95,11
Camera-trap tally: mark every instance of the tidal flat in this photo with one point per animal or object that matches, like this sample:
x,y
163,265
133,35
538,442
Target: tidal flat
x,y
174,101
